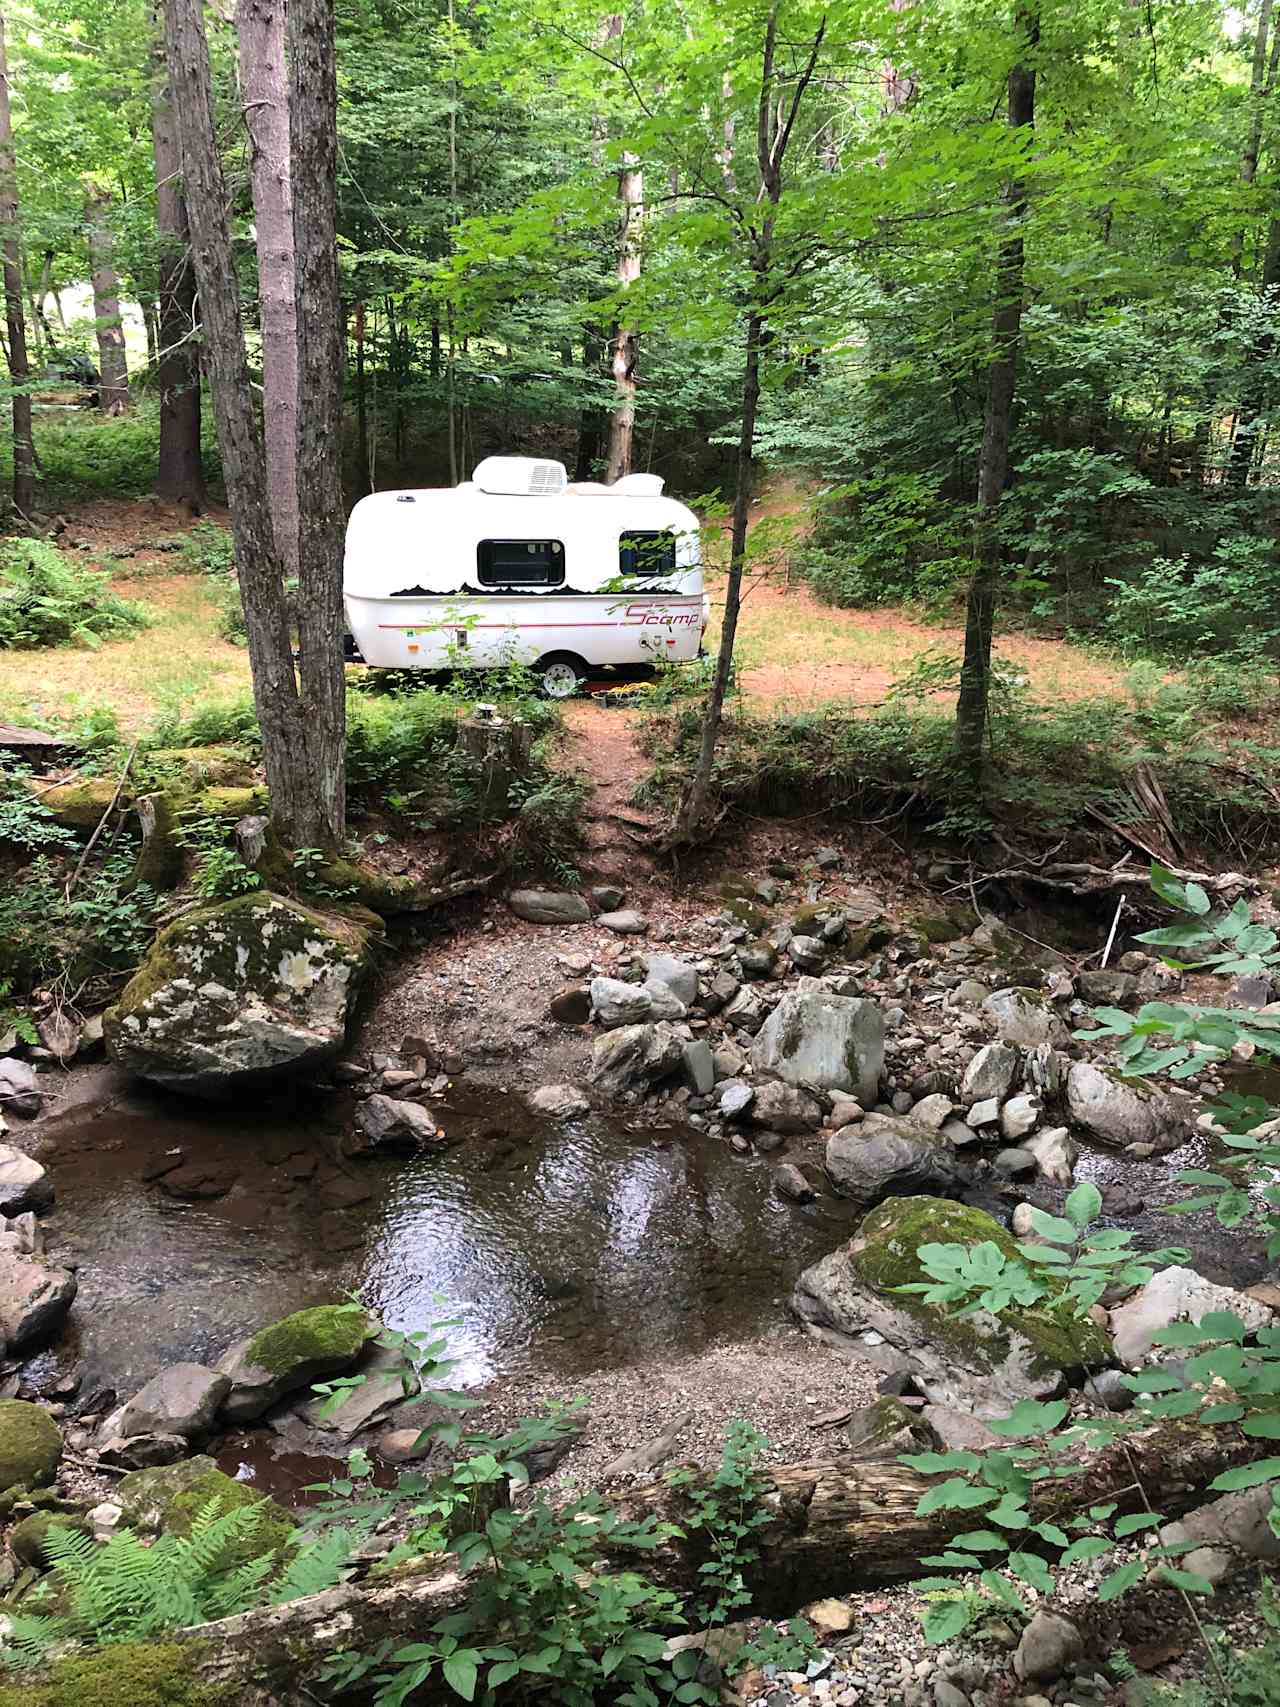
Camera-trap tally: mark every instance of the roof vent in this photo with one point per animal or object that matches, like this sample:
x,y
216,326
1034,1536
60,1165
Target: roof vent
x,y
639,486
521,476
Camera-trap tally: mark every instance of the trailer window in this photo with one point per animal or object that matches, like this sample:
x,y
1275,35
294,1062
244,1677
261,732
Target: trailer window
x,y
641,553
520,562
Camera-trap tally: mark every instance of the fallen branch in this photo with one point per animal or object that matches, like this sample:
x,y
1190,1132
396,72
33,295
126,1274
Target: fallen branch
x,y
111,806
837,1524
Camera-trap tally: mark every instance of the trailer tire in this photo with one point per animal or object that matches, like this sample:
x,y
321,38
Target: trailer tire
x,y
560,675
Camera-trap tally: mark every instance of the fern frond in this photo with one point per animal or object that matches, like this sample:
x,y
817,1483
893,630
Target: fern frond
x,y
29,1638
319,1565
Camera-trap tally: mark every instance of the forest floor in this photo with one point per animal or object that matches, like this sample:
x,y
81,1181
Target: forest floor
x,y
794,650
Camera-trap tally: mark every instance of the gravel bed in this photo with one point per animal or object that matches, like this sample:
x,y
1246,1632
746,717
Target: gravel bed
x,y
782,1384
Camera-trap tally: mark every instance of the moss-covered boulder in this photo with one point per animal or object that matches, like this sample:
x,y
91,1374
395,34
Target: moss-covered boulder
x,y
30,1445
229,802
239,994
28,1541
126,1674
167,1501
78,805
291,1354
977,1363
208,766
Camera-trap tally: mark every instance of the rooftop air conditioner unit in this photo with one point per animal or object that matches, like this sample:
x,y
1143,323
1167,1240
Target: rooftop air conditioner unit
x,y
521,476
639,486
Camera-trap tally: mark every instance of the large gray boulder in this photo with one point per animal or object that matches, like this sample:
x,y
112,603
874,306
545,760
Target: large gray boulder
x,y
1123,1111
990,1074
678,976
615,1002
635,1055
549,907
975,1363
1025,1018
237,995
784,1108
888,1155
182,1400
303,1348
35,1297
833,1043
1176,1295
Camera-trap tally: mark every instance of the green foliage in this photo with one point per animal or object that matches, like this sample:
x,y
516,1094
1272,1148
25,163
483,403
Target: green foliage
x,y
209,549
220,873
84,454
25,823
1240,1677
126,1591
97,934
48,599
14,1018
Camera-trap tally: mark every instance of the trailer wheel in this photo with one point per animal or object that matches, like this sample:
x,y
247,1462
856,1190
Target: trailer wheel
x,y
560,675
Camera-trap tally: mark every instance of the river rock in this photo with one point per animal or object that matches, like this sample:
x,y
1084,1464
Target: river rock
x,y
932,1111
1107,988
303,1348
699,1067
238,994
757,959
1018,1116
30,1445
960,1133
35,1297
791,1182
1049,1644
973,1363
393,1123
24,1184
381,1390
183,1399
625,922
635,1055
1056,1153
142,1451
549,907
677,976
745,1011
614,1002
19,1088
1013,1162
887,1155
559,1102
1025,1018
1124,1111
1046,1070
990,1074
784,1108
1176,1295
884,1429
1233,1531
807,952
168,1499
736,1098
832,1043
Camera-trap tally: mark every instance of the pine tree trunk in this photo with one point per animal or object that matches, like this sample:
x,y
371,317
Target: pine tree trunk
x,y
113,391
24,478
313,137
260,27
993,459
180,474
622,423
239,432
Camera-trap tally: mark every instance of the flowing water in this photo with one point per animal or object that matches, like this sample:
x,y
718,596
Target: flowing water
x,y
561,1247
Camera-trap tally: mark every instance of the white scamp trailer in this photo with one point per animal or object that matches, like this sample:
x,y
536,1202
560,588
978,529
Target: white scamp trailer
x,y
517,565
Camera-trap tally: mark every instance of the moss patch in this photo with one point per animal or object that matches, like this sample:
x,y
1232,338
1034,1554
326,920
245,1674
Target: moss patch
x,y
204,765
329,1331
169,1499
30,1445
78,805
866,939
889,1239
230,803
938,927
160,858
127,1674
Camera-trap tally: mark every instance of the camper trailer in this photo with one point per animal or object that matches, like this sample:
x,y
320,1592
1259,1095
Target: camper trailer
x,y
518,565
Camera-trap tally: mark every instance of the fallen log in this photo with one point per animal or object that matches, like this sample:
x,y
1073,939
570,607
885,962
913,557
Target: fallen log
x,y
838,1524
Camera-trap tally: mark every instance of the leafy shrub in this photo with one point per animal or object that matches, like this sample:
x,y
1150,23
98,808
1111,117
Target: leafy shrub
x,y
883,540
47,599
1229,602
209,549
83,452
94,936
230,722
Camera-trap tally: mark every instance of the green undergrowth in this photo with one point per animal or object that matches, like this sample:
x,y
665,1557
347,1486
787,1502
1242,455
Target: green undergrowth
x,y
48,598
1049,765
85,454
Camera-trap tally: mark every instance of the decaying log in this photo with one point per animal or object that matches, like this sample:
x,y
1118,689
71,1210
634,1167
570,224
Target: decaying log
x,y
839,1524
1078,877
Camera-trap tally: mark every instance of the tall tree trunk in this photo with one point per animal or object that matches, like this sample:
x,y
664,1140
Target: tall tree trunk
x,y
774,126
260,28
180,471
113,392
1260,81
313,139
993,459
24,477
239,431
364,477
622,423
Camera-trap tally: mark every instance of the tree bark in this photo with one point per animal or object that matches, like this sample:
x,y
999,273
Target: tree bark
x,y
24,477
320,817
622,360
180,471
261,29
993,459
838,1524
239,432
774,126
113,391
